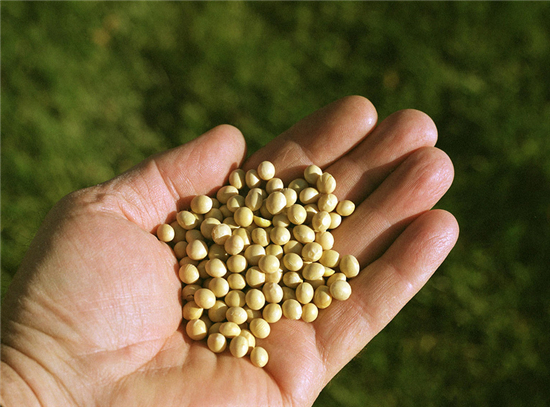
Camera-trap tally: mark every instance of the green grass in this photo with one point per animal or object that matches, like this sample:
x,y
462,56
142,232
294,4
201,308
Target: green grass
x,y
90,89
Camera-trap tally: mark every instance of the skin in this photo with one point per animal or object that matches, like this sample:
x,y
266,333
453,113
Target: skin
x,y
93,316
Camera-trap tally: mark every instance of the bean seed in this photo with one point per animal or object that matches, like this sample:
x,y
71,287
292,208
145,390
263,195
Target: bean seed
x,y
201,204
340,290
196,329
259,356
166,233
238,346
260,328
292,309
217,342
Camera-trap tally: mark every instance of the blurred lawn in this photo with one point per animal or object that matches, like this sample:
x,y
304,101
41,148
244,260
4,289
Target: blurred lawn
x,y
89,89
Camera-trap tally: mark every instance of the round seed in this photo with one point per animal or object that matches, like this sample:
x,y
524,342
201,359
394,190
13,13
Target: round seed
x,y
322,298
217,342
191,311
298,185
272,313
215,268
288,294
255,299
196,329
276,202
235,298
349,265
304,293
252,313
251,339
273,292
217,312
179,232
259,356
237,178
226,192
292,309
266,170
260,328
234,245
280,235
189,274
296,214
312,173
330,258
327,202
275,250
236,314
201,204
313,271
303,234
292,279
180,249
188,220
340,290
236,281
188,292
281,220
269,264
230,329
325,239
252,179
312,251
235,202
291,196
238,346
197,250
253,253
310,312
236,263
220,233
321,221
243,216
260,236
262,222
335,277
326,184
335,220
309,195
293,246
255,277
293,262
219,286
254,199
345,208
166,233
204,298
274,184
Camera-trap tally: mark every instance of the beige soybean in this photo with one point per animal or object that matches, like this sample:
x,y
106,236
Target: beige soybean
x,y
191,311
235,202
197,250
272,313
340,290
236,314
274,184
230,329
311,210
204,298
236,281
220,233
322,298
312,174
310,312
261,222
196,329
335,220
226,213
252,313
326,184
292,279
275,250
312,251
273,292
217,251
214,328
274,277
321,221
244,234
253,253
189,274
349,265
296,214
255,299
243,216
335,277
206,320
316,283
288,294
298,185
219,286
235,298
292,309
201,204
304,292
234,245
188,220
330,258
251,339
327,202
325,239
192,235
260,236
303,234
237,178
281,220
254,199
238,346
226,192
215,268
166,233
180,249
217,312
269,264
188,292
266,170
293,246
252,179
259,356
276,202
260,328
309,195
217,342
291,196
313,271
345,207
236,263
254,277
293,262
280,235
179,232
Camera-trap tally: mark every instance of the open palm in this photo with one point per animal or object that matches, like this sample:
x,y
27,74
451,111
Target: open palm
x,y
93,316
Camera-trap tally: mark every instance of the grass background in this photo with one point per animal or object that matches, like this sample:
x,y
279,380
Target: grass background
x,y
91,88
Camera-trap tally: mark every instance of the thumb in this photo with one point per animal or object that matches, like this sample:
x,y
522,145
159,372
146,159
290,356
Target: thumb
x,y
154,190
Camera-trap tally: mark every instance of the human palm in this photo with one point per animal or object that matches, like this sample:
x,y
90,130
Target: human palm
x,y
93,316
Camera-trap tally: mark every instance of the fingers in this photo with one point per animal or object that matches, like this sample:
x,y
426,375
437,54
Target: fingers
x,y
320,138
411,189
155,189
384,287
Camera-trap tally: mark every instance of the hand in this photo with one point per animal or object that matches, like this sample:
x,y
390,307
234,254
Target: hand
x,y
93,316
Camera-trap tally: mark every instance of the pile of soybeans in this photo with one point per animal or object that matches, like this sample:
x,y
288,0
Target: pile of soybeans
x,y
256,252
